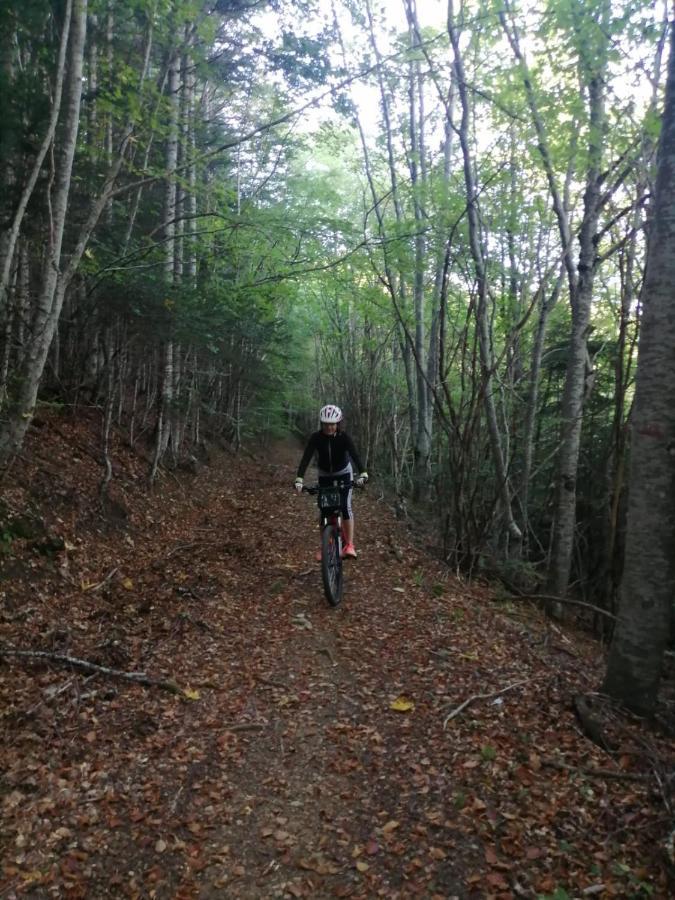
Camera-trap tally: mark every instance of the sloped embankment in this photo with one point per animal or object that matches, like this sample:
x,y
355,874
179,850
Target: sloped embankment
x,y
309,752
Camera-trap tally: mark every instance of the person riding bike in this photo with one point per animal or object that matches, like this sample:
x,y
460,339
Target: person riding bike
x,y
335,452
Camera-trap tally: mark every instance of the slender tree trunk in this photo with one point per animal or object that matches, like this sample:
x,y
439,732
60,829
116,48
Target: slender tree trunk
x,y
396,282
557,196
417,165
645,610
164,416
532,405
107,416
177,418
20,410
9,239
109,138
92,86
574,393
8,329
135,203
482,322
191,150
22,301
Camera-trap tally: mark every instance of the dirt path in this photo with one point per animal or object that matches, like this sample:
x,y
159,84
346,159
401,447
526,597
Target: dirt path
x,y
284,771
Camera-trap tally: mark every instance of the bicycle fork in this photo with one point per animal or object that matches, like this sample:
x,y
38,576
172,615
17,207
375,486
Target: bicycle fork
x,y
335,522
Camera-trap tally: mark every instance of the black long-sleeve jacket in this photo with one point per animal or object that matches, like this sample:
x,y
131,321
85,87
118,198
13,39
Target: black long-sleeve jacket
x,y
333,450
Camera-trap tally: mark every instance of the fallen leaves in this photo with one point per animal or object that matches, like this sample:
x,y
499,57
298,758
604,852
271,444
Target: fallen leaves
x,y
292,775
318,864
402,704
191,694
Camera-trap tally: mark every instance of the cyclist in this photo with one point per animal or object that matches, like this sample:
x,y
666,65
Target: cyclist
x,y
335,452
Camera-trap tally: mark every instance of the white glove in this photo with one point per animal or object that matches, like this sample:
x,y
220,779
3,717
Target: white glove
x,y
361,480
298,485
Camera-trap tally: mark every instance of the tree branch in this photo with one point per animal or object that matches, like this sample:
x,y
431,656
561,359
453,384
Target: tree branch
x,y
458,710
86,666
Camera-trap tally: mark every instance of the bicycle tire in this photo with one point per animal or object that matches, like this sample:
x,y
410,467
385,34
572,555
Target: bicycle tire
x,y
331,565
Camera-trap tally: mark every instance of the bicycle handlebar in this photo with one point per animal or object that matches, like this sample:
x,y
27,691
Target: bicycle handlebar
x,y
342,486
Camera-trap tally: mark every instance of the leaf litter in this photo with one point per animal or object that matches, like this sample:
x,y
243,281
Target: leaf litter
x,y
305,754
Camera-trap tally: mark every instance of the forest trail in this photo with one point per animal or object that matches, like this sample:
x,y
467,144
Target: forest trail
x,y
285,769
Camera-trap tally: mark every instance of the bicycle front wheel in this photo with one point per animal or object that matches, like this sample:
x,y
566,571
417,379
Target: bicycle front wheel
x,y
331,565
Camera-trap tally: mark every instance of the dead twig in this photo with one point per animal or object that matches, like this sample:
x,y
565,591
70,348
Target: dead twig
x,y
275,684
549,598
180,547
86,666
243,726
458,710
210,685
198,623
96,587
594,773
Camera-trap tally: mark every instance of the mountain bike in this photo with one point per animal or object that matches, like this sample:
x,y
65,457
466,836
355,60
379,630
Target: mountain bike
x,y
330,504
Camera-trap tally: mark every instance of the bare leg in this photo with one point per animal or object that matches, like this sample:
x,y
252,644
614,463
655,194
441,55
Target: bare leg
x,y
348,528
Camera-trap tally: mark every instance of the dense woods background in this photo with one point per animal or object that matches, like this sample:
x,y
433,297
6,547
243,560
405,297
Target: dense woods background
x,y
218,215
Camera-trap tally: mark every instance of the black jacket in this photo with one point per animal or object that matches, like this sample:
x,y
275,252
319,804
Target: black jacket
x,y
334,452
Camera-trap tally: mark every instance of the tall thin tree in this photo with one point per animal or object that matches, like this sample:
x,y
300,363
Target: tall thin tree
x,y
648,586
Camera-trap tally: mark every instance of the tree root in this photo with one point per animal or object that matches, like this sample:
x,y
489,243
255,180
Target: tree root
x,y
590,725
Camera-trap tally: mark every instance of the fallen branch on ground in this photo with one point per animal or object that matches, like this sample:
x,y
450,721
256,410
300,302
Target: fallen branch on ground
x,y
180,547
275,684
594,773
550,598
243,726
86,666
464,705
95,587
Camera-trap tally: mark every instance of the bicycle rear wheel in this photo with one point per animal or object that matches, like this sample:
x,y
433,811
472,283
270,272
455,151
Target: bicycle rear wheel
x,y
331,565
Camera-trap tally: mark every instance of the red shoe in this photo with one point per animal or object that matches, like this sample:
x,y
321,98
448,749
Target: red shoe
x,y
317,556
349,551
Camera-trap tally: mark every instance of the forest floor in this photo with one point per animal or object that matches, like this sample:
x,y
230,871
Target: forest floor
x,y
309,751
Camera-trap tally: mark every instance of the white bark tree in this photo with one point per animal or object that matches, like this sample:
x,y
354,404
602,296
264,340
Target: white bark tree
x,y
22,405
477,254
9,238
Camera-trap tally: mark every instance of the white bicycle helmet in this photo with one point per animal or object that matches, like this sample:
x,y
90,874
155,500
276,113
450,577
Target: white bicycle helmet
x,y
330,414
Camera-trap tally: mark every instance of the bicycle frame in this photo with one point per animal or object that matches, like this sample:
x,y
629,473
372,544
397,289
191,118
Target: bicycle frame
x,y
330,504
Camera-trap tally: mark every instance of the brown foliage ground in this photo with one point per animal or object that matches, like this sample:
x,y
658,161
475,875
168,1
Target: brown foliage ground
x,y
282,769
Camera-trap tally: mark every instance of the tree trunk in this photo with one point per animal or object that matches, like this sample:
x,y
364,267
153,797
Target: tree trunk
x,y
164,415
107,416
190,151
482,322
532,406
9,239
645,609
395,278
22,405
92,86
417,164
574,393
